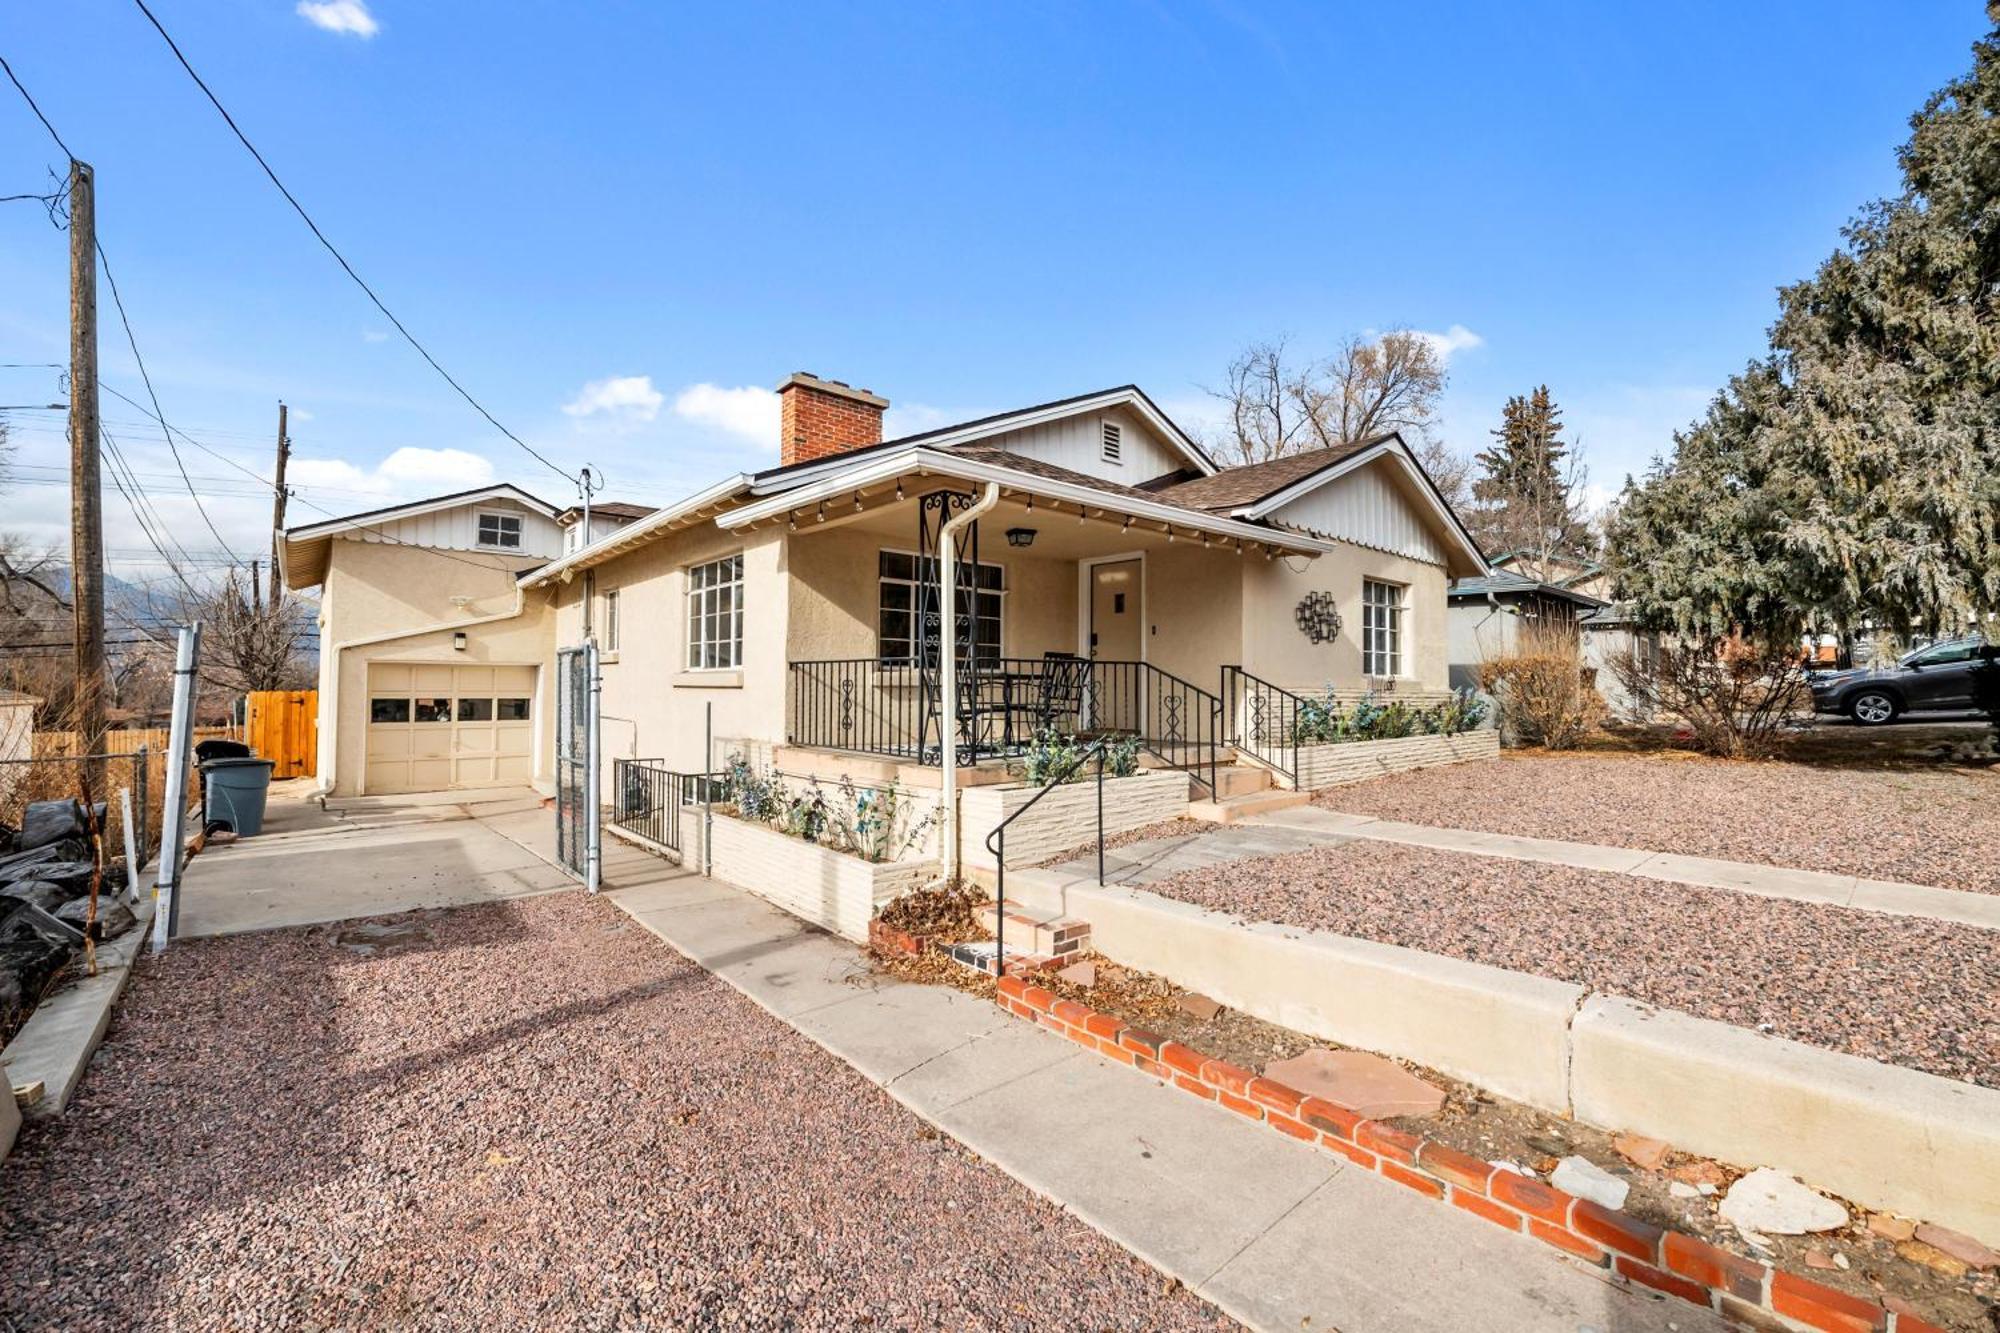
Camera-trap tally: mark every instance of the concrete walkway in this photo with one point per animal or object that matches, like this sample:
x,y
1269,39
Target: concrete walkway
x,y
1321,827
1278,1235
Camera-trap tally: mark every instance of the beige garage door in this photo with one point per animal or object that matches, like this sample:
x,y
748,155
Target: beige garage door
x,y
432,728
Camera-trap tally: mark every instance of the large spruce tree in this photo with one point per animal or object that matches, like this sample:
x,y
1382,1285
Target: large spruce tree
x,y
1850,476
1526,499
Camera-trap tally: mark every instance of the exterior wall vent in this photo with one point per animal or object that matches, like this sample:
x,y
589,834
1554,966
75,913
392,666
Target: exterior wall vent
x,y
1114,442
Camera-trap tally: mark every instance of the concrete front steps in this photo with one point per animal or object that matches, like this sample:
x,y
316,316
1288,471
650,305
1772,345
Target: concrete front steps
x,y
1241,791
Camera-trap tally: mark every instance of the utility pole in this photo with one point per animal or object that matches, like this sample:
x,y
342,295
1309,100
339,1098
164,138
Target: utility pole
x,y
86,517
256,594
278,509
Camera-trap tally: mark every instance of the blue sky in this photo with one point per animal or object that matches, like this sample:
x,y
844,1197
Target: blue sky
x,y
621,223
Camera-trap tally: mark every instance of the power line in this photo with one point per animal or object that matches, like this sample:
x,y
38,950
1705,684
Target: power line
x,y
341,259
29,98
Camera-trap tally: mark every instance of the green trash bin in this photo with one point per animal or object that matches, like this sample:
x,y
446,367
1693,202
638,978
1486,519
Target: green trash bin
x,y
234,790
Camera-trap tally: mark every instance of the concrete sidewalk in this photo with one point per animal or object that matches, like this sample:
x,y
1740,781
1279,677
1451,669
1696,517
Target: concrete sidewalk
x,y
1278,1235
1322,826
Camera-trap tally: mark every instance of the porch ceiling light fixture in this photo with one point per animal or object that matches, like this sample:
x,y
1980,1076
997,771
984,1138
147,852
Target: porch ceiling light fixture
x,y
1020,537
822,511
857,502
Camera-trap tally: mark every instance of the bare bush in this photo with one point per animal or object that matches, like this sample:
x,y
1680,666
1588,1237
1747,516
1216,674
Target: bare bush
x,y
1545,696
1735,698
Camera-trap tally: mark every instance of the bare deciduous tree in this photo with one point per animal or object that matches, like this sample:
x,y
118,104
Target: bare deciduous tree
x,y
1367,387
247,643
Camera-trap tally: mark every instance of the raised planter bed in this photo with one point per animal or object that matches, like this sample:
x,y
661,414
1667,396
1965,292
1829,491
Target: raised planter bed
x,y
830,889
1337,762
1067,816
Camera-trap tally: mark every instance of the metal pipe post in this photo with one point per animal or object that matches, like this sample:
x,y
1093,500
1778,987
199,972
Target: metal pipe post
x,y
173,801
593,806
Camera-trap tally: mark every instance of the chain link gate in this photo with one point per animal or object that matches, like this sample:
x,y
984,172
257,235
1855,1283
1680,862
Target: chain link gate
x,y
578,809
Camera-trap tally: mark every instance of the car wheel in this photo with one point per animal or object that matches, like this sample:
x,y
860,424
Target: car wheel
x,y
1871,708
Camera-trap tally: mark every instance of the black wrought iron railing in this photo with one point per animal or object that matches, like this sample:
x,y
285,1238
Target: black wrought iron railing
x,y
647,797
1262,720
996,844
873,707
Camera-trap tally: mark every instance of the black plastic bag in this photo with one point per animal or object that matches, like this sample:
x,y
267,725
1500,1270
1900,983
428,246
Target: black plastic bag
x,y
45,822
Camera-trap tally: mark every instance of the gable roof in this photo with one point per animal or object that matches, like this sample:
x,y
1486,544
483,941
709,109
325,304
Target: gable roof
x,y
607,509
1500,583
1240,487
972,432
303,552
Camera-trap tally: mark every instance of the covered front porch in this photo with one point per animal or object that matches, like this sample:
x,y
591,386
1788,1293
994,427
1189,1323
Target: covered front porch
x,y
1072,616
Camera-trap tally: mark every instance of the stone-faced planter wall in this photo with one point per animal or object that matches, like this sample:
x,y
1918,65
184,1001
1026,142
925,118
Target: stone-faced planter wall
x,y
1338,762
1067,816
830,889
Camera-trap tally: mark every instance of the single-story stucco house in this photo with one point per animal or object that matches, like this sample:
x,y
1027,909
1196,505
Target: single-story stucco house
x,y
1115,575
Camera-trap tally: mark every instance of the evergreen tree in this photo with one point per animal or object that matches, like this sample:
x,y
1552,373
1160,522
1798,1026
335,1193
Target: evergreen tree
x,y
1526,496
1850,475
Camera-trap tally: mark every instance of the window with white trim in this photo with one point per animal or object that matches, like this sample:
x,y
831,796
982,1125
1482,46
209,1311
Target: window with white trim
x,y
1381,628
502,530
610,641
1113,450
899,638
715,615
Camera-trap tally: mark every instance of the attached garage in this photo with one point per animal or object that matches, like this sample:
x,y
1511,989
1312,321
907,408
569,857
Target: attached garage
x,y
436,728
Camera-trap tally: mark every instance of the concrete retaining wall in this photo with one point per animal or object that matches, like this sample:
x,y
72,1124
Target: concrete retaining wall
x,y
1356,761
1884,1136
1502,1030
828,888
1067,816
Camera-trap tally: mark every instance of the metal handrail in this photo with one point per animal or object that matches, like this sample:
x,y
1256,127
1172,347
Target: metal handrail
x,y
1286,726
999,848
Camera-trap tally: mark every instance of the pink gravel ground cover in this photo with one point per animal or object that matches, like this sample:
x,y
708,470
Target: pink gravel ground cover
x,y
538,1117
1899,989
1923,825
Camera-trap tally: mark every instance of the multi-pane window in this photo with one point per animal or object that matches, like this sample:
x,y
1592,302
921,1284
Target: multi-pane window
x,y
1381,628
502,530
900,637
715,615
610,642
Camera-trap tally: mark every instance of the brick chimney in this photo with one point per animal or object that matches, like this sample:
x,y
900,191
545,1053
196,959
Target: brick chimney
x,y
820,418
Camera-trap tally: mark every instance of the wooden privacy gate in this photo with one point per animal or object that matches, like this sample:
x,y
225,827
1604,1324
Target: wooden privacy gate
x,y
283,726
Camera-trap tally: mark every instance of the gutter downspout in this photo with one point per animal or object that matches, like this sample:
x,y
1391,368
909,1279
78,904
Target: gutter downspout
x,y
948,648
331,708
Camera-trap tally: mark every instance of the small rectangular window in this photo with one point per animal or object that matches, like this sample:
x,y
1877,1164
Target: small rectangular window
x,y
388,710
433,710
611,621
512,710
475,710
1114,442
501,530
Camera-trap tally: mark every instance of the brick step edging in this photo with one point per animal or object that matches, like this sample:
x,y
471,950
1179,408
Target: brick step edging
x,y
1671,1262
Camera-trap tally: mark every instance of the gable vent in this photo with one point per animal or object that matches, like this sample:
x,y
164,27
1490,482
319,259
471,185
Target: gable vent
x,y
1114,442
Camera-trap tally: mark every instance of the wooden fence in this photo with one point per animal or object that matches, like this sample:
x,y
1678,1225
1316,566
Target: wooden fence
x,y
123,742
283,726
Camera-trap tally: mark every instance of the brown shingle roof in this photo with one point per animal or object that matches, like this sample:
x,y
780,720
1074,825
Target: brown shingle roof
x,y
1035,467
1236,487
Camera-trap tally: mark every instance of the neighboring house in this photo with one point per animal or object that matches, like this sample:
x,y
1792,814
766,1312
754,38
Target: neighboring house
x,y
1117,573
1574,572
605,518
1490,612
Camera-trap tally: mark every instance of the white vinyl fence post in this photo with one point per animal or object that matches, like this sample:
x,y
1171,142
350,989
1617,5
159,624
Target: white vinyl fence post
x,y
173,801
131,845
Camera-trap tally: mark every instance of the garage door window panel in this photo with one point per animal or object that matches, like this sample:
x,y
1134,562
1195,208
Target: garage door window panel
x,y
475,710
433,710
512,710
389,710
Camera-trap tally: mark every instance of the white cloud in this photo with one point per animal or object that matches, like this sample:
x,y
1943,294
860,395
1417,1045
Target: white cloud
x,y
625,397
408,473
748,411
374,336
1457,338
350,18
915,418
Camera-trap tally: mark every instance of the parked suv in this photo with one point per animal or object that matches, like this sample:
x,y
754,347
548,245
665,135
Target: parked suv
x,y
1939,678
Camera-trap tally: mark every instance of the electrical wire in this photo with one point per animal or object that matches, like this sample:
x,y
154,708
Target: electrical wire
x,y
341,259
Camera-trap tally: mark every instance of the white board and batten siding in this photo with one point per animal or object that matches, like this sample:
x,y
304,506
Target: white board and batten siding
x,y
1369,508
1078,443
457,529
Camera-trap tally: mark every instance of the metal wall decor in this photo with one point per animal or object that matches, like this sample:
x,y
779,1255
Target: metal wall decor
x,y
1318,617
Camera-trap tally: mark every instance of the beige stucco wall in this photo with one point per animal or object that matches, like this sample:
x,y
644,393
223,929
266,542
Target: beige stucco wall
x,y
374,589
653,708
1275,648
